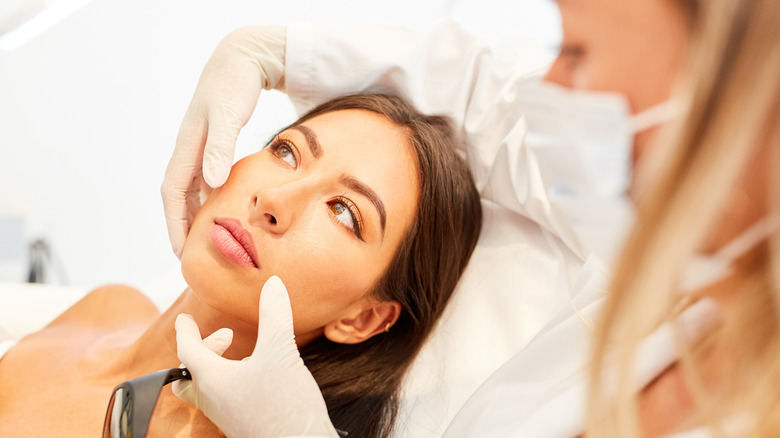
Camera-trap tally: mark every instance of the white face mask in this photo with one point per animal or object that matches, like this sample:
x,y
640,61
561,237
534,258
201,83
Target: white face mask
x,y
584,139
708,269
583,143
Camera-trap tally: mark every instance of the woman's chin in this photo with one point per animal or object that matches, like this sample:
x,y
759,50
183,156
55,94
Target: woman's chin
x,y
230,291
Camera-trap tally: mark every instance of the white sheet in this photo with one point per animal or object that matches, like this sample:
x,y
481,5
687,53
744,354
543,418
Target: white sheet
x,y
28,307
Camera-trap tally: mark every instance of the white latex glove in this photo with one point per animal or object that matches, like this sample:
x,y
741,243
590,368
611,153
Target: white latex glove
x,y
269,394
248,60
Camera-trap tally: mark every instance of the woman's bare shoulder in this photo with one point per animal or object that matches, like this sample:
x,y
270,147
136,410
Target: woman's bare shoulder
x,y
112,305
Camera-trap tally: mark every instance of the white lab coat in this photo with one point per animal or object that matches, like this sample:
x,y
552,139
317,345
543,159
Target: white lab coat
x,y
442,70
446,70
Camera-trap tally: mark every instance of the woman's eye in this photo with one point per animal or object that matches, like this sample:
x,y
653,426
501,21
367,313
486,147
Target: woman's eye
x,y
284,151
345,213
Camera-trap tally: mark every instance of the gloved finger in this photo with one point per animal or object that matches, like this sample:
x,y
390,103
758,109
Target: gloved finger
x,y
177,233
197,193
220,146
192,351
186,159
175,208
275,334
218,342
185,390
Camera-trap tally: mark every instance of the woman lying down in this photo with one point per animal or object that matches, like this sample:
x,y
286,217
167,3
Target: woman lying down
x,y
365,212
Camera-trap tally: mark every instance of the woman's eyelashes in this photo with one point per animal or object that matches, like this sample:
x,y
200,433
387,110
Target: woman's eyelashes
x,y
347,214
343,210
285,151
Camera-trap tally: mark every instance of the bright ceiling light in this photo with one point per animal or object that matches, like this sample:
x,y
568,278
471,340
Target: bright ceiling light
x,y
39,23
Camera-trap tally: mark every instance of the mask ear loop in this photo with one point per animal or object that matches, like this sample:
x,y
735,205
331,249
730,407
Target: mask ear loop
x,y
710,268
655,115
748,239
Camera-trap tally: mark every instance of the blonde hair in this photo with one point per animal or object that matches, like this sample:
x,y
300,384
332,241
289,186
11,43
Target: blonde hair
x,y
730,88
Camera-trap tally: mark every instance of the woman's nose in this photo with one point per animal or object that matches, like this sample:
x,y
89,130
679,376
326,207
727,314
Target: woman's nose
x,y
275,208
559,73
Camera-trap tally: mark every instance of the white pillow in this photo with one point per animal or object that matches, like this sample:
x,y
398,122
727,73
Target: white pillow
x,y
518,277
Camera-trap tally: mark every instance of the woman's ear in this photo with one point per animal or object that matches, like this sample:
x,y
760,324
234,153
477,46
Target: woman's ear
x,y
363,323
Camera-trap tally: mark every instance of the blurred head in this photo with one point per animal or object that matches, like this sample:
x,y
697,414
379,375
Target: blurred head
x,y
365,211
635,48
711,181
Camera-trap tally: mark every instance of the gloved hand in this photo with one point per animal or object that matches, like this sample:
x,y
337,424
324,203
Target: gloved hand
x,y
269,394
246,61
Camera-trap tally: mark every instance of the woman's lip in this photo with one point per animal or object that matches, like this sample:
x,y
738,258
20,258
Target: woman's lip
x,y
234,242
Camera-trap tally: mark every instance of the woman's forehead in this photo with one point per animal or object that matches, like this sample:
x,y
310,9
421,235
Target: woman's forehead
x,y
372,149
359,133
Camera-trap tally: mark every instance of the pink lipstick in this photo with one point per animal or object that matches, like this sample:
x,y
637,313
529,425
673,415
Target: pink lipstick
x,y
234,242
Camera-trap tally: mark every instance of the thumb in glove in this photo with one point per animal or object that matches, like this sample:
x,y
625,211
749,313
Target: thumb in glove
x,y
216,343
269,394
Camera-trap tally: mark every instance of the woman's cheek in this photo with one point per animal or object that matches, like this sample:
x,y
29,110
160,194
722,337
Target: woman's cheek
x,y
322,288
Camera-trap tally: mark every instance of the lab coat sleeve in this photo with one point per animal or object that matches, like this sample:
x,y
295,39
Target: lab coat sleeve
x,y
442,69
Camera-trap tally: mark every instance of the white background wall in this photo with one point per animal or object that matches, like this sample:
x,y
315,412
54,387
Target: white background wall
x,y
89,112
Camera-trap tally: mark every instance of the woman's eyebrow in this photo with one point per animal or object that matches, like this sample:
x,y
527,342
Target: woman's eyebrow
x,y
369,193
311,139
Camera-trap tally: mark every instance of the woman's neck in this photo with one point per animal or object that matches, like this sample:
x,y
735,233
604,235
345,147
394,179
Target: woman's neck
x,y
155,349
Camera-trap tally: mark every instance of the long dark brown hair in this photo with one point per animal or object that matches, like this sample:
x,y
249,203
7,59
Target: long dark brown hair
x,y
361,382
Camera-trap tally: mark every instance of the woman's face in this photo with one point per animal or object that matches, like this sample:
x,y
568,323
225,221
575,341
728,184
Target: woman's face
x,y
325,207
637,48
633,47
